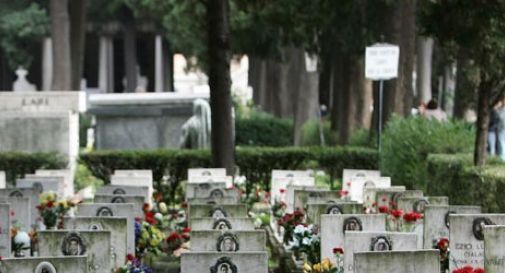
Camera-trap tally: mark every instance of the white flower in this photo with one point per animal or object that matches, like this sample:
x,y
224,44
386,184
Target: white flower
x,y
163,207
310,227
158,216
257,223
306,241
299,229
294,243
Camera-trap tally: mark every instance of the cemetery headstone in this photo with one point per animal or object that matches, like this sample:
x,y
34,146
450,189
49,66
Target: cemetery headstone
x,y
43,184
5,229
205,172
436,221
494,252
350,174
32,194
229,262
134,173
292,173
315,210
20,213
467,238
290,195
112,210
370,197
375,241
356,186
228,241
333,228
74,264
117,227
217,211
419,261
96,245
230,223
3,180
137,200
124,190
213,201
279,187
68,178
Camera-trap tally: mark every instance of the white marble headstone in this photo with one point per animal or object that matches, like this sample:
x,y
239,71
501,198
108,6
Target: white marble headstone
x,y
74,264
333,229
420,261
112,210
205,172
5,229
96,245
292,173
494,252
436,221
467,238
350,174
356,186
279,187
375,241
20,211
68,178
32,194
3,180
244,262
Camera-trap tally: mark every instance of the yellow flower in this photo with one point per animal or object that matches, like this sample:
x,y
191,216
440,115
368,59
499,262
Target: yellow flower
x,y
307,268
64,204
317,267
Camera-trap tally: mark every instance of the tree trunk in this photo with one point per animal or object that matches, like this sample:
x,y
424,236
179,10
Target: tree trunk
x,y
306,94
398,93
465,92
130,50
424,63
60,33
337,90
77,10
325,82
223,145
482,124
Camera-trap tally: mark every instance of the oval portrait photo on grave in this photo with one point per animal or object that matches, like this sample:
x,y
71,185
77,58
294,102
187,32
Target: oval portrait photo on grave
x,y
420,205
478,227
227,242
224,265
104,212
217,193
334,209
95,227
221,224
118,200
37,186
16,194
381,243
447,224
352,224
73,245
45,267
217,213
369,184
119,191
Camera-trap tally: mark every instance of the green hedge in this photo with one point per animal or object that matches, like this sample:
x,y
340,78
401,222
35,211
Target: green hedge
x,y
261,129
254,162
16,165
407,142
456,177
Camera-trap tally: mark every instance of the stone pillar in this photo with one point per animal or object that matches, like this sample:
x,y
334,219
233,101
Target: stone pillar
x,y
158,64
106,65
47,64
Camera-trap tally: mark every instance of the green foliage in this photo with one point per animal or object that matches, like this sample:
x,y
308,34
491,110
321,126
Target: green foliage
x,y
84,178
256,163
20,31
311,135
262,129
456,177
361,138
407,142
16,165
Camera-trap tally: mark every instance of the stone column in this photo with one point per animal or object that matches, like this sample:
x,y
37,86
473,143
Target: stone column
x,y
47,63
106,65
158,64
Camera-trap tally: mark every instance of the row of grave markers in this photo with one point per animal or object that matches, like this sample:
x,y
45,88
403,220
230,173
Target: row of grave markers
x,y
96,237
223,237
351,219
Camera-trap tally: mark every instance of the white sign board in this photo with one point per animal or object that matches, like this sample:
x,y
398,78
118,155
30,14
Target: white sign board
x,y
381,62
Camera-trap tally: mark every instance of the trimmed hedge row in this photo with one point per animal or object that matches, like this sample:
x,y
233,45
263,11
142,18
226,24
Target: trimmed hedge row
x,y
16,165
254,162
455,176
